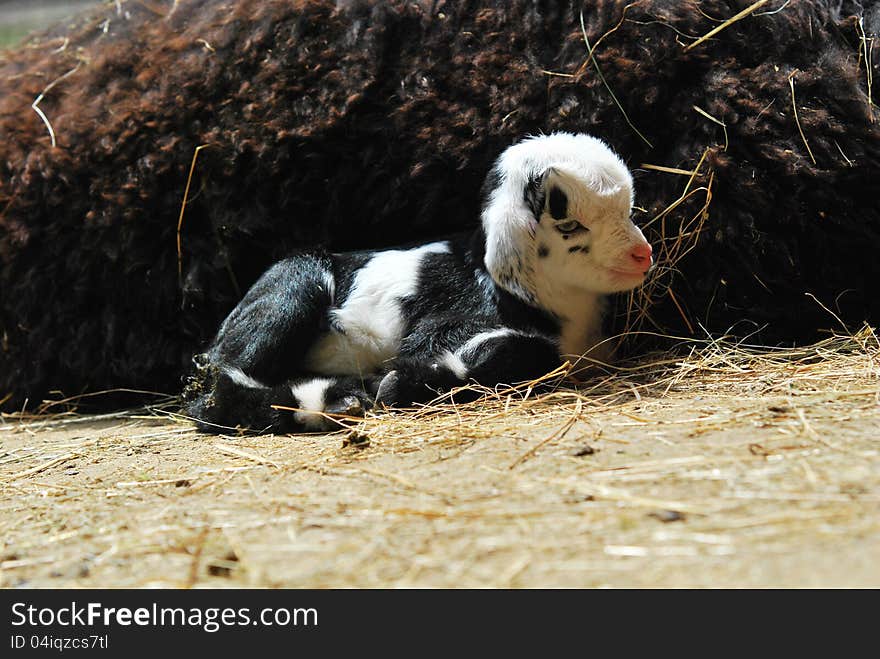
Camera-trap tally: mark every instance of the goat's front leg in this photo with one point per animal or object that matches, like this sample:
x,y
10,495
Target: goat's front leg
x,y
489,358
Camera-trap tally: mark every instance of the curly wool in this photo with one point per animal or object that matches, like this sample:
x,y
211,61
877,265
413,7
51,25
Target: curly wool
x,y
371,124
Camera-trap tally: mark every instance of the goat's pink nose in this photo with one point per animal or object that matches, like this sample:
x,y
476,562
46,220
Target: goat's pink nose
x,y
641,254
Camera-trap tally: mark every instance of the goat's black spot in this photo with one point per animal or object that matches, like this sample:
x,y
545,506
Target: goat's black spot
x,y
558,203
543,251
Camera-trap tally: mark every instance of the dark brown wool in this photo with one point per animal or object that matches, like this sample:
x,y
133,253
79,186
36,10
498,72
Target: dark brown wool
x,y
369,125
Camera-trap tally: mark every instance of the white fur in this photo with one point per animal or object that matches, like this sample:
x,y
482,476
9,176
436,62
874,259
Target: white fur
x,y
330,284
310,399
508,222
370,319
467,349
241,378
582,327
599,191
457,361
455,364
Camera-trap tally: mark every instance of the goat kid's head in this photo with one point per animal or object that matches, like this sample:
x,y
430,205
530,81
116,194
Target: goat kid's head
x,y
557,216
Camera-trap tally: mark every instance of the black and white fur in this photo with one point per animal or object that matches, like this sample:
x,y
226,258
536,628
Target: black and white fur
x,y
337,333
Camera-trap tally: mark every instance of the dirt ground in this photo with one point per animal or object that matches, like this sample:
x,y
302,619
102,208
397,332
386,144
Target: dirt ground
x,y
726,468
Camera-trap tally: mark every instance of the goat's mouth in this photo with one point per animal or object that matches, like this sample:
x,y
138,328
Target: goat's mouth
x,y
621,273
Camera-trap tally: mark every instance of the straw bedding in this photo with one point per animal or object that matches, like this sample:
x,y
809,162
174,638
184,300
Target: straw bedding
x,y
732,466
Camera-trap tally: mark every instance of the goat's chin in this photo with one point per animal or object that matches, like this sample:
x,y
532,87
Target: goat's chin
x,y
624,278
609,281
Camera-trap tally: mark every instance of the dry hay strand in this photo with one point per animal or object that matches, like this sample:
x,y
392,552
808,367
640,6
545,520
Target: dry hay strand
x,y
866,48
64,411
797,119
592,58
673,240
733,19
183,203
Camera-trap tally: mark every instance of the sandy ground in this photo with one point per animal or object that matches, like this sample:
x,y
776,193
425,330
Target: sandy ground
x,y
722,469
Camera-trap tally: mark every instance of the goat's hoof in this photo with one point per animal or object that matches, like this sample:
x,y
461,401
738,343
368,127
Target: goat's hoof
x,y
387,393
347,406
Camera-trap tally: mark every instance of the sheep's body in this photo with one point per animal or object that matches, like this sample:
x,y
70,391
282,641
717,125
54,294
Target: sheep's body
x,y
372,123
331,333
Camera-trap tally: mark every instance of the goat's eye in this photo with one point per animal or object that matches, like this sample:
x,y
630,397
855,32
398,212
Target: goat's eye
x,y
569,226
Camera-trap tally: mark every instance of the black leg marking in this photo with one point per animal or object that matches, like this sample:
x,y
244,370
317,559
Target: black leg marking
x,y
221,404
506,359
415,381
351,396
269,332
514,358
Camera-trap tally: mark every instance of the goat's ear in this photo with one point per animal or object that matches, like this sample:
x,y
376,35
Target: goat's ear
x,y
557,184
548,192
535,193
557,201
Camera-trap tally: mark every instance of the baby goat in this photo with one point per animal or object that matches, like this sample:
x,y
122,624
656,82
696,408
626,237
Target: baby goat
x,y
337,333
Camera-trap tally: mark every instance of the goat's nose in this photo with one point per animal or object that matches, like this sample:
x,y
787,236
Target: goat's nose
x,y
641,254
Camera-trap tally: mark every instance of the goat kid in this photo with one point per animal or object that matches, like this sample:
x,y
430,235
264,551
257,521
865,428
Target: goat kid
x,y
334,334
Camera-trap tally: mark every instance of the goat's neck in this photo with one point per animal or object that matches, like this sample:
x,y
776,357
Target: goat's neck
x,y
580,315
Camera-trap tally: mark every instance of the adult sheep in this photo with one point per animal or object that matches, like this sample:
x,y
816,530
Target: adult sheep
x,y
368,124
